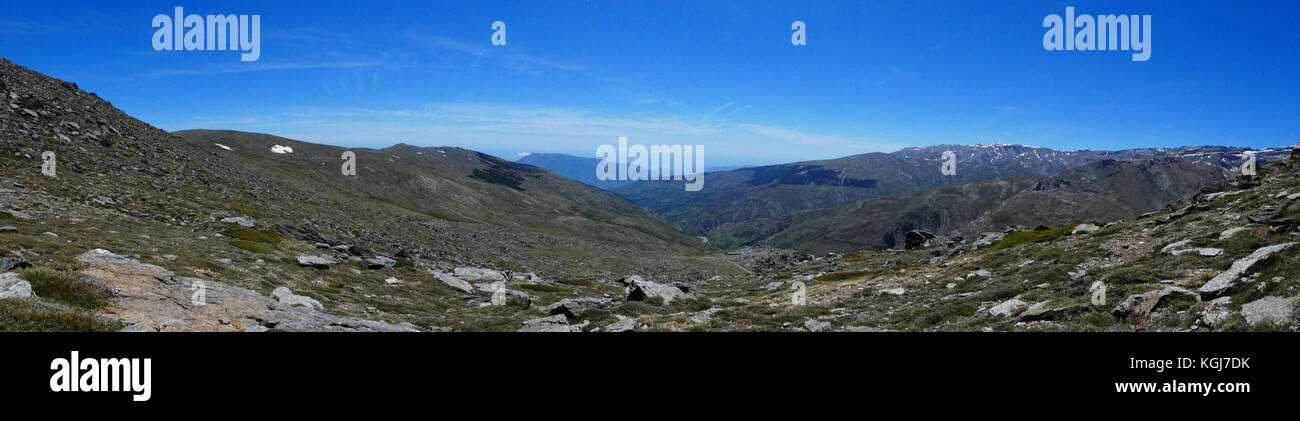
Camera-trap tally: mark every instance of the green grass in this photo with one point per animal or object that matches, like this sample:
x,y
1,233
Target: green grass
x,y
545,288
6,215
249,246
404,263
838,276
26,315
1016,238
250,234
66,288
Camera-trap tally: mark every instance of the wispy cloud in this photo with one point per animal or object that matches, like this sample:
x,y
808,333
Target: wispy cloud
x,y
509,55
241,67
798,137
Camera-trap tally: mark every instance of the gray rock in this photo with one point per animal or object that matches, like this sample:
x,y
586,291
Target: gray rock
x,y
1274,311
454,282
392,281
508,297
1208,252
639,290
1141,304
288,298
1044,311
7,228
478,274
576,307
814,325
319,262
13,287
239,220
1008,308
10,263
625,325
893,291
380,262
773,286
256,328
1085,229
1225,282
556,323
138,328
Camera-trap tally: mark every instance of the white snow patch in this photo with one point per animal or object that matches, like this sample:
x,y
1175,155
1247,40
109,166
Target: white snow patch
x,y
223,146
281,149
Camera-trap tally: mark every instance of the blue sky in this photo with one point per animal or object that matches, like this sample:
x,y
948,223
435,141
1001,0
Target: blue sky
x,y
874,76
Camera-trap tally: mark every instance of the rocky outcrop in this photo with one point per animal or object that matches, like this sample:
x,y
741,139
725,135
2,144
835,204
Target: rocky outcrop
x,y
1274,311
556,323
1226,282
1138,305
154,298
478,274
576,307
454,282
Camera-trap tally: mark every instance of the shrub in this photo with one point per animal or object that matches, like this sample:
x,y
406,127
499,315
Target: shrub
x,y
27,316
250,234
544,288
1016,238
67,289
249,246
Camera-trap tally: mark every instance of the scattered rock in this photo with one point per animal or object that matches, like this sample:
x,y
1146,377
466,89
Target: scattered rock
x,y
256,328
138,328
1225,282
8,229
1208,252
893,291
1044,310
392,280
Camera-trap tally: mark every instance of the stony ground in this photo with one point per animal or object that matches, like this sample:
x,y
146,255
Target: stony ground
x,y
1221,260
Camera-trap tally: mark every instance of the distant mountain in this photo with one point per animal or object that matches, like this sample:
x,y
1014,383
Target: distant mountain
x,y
1105,190
572,167
745,206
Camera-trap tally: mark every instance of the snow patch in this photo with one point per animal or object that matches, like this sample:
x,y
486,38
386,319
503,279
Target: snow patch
x,y
281,149
223,146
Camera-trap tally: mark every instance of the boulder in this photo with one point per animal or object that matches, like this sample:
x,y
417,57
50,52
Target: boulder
x,y
11,263
576,307
639,290
1044,310
1085,229
1139,305
625,325
454,282
1008,308
509,297
288,298
556,323
916,239
318,262
814,325
239,220
1098,292
1225,282
478,274
13,287
1273,311
379,262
